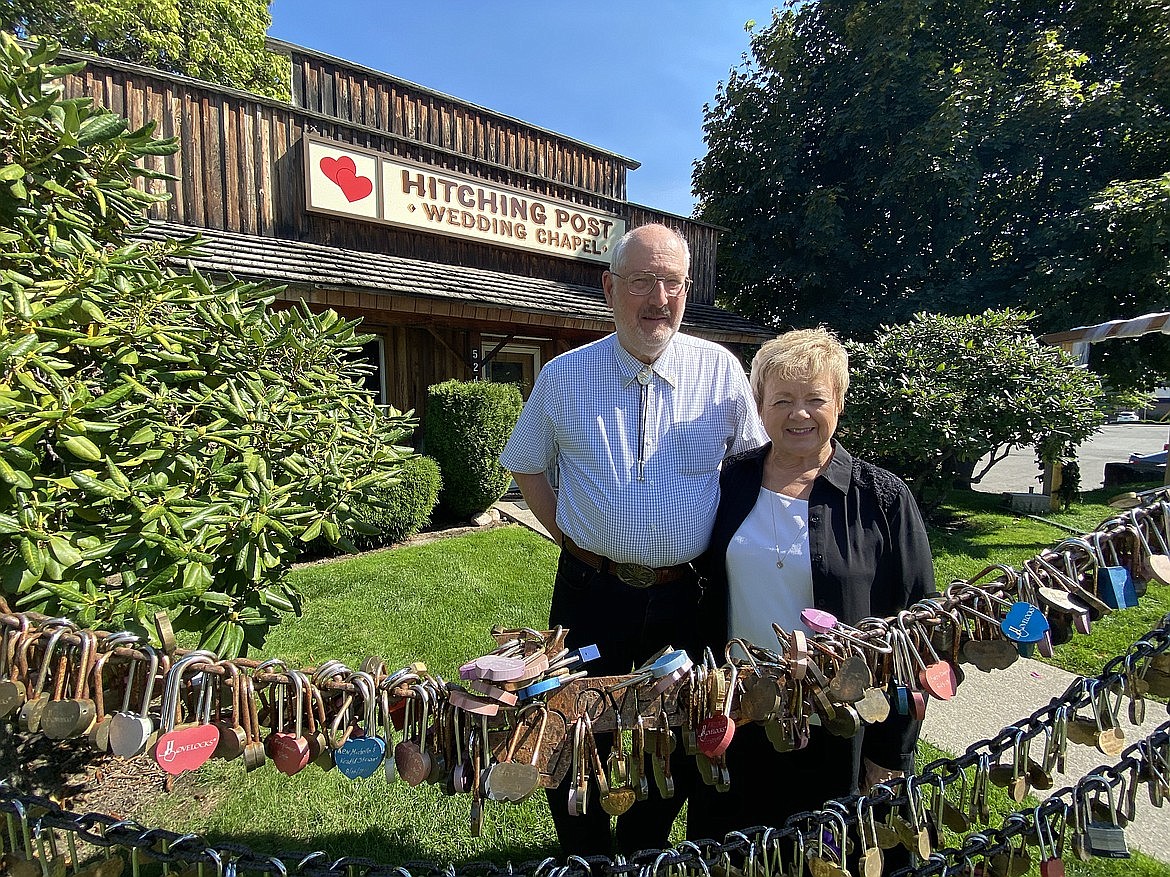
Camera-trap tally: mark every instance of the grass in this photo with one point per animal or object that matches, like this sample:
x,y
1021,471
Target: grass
x,y
1000,805
437,602
979,532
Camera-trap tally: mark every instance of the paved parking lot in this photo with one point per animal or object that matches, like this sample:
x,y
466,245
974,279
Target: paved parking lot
x,y
1113,443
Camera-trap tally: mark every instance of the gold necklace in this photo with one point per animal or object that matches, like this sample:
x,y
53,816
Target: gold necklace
x,y
773,500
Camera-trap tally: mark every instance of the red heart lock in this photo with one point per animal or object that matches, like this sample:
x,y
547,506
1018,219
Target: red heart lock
x,y
715,733
330,166
186,748
352,186
288,752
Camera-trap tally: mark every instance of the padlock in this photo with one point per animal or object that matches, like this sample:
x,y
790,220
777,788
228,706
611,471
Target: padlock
x,y
1051,862
1105,839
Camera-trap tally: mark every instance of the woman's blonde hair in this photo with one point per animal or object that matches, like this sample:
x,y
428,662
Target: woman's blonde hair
x,y
801,355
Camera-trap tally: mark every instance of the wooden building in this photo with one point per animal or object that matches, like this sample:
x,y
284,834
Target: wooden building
x,y
471,243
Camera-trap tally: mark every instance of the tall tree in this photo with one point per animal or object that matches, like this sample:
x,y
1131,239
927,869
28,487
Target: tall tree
x,y
873,160
217,40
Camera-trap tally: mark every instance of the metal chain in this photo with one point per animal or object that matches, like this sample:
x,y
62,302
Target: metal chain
x,y
690,858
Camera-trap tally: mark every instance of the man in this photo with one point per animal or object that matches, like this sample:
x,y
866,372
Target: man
x,y
637,425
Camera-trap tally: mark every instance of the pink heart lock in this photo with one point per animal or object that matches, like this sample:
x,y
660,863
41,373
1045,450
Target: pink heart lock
x,y
186,748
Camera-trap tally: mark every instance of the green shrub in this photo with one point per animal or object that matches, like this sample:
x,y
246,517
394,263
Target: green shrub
x,y
467,426
398,511
165,444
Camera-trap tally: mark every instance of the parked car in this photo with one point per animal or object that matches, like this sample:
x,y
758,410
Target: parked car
x,y
1158,458
1126,417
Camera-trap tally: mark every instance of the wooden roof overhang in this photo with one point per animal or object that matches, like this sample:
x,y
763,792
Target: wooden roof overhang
x,y
377,285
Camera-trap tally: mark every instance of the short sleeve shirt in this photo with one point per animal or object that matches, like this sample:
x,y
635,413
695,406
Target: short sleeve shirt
x,y
638,448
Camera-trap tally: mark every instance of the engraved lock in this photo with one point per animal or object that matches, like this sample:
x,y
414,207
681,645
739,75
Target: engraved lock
x,y
360,755
186,746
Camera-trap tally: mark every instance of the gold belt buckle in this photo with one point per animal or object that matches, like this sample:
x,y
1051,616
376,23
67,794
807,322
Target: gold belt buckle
x,y
635,575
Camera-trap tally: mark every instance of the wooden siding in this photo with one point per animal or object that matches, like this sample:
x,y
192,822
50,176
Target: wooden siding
x,y
239,166
325,85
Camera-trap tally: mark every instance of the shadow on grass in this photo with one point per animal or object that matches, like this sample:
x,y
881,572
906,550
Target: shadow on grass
x,y
409,848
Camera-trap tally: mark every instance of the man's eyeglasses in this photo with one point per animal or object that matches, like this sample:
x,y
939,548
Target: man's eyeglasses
x,y
645,282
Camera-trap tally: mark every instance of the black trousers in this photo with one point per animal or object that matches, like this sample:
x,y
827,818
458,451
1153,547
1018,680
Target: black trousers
x,y
628,625
768,786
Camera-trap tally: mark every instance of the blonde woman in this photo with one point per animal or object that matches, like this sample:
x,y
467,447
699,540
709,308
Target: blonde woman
x,y
803,524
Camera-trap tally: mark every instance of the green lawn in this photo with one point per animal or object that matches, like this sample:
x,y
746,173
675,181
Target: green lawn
x,y
436,602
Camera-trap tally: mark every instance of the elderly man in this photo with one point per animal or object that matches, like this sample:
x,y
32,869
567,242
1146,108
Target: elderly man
x,y
638,425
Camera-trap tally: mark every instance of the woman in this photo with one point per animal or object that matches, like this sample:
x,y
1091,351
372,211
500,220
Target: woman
x,y
801,523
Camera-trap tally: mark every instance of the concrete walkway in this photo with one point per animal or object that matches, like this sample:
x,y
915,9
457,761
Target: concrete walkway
x,y
518,513
988,702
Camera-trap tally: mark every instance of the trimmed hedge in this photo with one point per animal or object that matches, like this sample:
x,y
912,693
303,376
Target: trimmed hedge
x,y
399,511
467,425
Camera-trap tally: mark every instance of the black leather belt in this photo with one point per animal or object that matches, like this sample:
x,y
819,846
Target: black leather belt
x,y
633,574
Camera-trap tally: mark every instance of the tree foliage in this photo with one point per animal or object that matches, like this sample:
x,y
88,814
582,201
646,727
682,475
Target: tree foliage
x,y
165,444
217,40
874,160
929,398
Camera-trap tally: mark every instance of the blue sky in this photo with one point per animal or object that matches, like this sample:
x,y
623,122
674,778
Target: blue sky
x,y
630,77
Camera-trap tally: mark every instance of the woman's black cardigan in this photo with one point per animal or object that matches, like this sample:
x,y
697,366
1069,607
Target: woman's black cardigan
x,y
870,556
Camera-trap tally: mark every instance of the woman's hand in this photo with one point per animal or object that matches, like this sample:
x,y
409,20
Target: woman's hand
x,y
875,774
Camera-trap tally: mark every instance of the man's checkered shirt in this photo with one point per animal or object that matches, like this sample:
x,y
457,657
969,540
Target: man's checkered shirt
x,y
584,414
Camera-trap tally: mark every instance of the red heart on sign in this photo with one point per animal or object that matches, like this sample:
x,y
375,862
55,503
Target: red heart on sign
x,y
330,166
186,748
352,186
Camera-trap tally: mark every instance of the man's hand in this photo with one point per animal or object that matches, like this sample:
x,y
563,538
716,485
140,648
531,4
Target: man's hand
x,y
541,500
